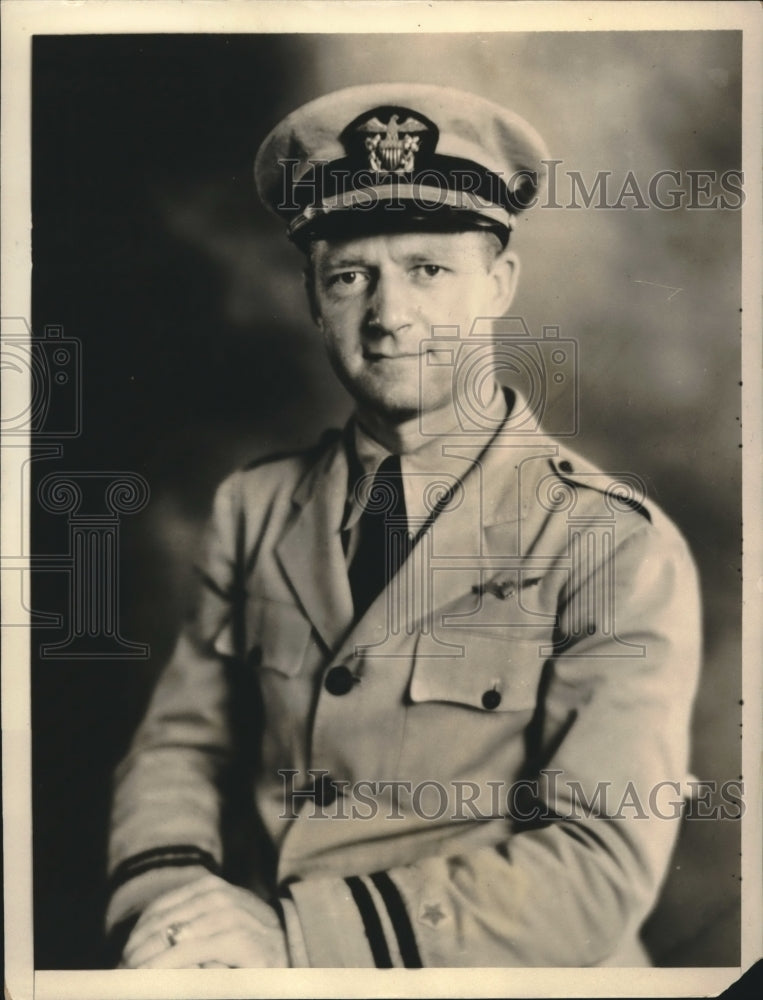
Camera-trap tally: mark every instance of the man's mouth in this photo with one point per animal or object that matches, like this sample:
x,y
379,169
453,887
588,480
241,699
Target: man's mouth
x,y
370,355
401,356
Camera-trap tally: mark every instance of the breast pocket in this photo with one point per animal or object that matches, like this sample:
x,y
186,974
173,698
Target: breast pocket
x,y
276,636
468,707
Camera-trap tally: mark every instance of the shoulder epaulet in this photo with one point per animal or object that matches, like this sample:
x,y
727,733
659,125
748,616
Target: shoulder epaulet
x,y
623,489
326,439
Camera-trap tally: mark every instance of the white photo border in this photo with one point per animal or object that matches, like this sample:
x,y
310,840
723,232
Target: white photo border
x,y
22,20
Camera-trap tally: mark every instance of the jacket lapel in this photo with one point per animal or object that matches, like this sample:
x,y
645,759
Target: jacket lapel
x,y
310,551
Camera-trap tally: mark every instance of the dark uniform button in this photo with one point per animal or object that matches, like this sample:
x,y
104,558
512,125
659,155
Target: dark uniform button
x,y
491,699
339,680
565,466
325,791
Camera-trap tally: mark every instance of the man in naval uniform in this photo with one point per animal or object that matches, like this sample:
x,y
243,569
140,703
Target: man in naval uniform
x,y
439,673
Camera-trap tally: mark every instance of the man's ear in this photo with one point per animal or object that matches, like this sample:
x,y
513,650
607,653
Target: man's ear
x,y
504,275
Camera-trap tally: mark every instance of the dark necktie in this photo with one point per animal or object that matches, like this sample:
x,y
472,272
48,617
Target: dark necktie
x,y
383,543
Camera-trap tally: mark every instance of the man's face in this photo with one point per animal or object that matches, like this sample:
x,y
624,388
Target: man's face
x,y
377,298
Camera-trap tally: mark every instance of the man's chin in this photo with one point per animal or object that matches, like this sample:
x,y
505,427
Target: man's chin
x,y
391,412
396,412
391,400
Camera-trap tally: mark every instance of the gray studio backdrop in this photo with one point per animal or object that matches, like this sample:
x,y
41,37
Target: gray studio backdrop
x,y
199,352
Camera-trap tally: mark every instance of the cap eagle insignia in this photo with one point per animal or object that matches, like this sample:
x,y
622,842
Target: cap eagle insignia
x,y
392,147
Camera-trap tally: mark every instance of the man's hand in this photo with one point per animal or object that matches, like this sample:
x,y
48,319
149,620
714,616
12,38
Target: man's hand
x,y
213,924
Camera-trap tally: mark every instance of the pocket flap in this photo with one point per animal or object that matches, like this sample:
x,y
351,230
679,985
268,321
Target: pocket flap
x,y
482,671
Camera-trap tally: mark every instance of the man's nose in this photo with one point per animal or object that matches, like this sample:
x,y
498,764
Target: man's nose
x,y
389,308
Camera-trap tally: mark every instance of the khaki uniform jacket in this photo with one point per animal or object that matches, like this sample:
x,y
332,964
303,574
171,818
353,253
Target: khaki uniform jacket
x,y
507,737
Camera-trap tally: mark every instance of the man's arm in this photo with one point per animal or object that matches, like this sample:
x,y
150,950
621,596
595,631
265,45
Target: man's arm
x,y
166,848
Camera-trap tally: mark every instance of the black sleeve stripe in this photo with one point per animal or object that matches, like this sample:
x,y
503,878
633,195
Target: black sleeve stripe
x,y
371,922
154,852
176,856
400,919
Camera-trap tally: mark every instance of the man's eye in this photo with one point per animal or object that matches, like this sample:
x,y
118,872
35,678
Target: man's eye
x,y
346,278
430,270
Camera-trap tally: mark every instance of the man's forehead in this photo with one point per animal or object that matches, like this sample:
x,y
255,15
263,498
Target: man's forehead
x,y
395,245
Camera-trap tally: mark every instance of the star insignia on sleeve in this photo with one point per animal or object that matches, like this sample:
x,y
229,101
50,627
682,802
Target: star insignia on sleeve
x,y
433,914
